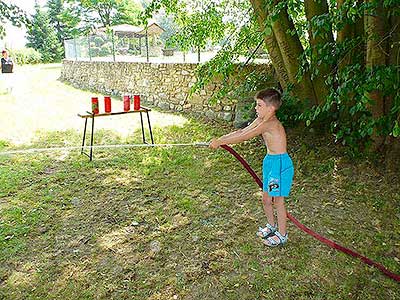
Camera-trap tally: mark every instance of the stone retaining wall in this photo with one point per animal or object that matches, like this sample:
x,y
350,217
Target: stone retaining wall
x,y
165,85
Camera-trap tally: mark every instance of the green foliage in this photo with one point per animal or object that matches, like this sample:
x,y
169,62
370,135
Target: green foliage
x,y
290,110
198,22
347,111
26,56
105,49
43,38
127,13
237,79
109,12
196,29
64,16
12,13
98,40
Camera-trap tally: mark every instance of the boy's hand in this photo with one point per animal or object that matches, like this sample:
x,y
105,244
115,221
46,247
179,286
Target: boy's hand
x,y
214,144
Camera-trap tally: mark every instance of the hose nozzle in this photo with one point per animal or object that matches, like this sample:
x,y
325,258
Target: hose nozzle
x,y
202,144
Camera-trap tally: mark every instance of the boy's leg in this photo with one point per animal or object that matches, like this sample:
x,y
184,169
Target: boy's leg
x,y
268,209
279,203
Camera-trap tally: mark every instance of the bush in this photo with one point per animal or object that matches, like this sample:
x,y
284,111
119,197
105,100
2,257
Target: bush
x,y
106,49
26,56
98,41
94,51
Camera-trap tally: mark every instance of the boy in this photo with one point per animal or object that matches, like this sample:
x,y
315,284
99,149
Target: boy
x,y
6,62
7,66
277,166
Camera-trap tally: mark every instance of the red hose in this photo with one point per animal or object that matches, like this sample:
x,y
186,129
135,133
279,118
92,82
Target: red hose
x,y
307,230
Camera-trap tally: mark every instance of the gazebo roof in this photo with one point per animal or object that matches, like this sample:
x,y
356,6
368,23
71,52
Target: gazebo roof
x,y
130,31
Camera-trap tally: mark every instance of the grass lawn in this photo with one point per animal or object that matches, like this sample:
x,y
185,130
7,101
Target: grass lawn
x,y
177,223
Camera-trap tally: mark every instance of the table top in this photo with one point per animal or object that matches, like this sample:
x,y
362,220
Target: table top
x,y
91,115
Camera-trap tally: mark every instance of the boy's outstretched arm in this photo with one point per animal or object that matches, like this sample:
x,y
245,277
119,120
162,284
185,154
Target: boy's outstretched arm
x,y
243,130
253,130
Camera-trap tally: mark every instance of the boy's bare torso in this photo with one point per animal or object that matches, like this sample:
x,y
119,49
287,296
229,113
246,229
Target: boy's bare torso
x,y
274,136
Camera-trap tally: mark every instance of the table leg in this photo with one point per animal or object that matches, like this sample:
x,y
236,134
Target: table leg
x,y
84,136
141,122
91,140
151,133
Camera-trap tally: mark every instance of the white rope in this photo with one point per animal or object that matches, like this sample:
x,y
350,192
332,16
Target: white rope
x,y
35,150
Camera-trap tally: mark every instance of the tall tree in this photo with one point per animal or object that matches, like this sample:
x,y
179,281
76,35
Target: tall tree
x,y
42,36
64,16
110,12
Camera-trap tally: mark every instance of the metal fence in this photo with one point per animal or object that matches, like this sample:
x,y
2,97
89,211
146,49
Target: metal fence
x,y
109,47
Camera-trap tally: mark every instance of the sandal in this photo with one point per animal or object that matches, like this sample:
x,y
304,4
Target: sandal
x,y
271,242
266,232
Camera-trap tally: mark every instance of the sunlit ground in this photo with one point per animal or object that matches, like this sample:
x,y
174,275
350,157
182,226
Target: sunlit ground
x,y
39,102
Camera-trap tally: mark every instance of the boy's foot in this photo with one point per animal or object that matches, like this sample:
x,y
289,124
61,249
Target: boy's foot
x,y
276,240
266,232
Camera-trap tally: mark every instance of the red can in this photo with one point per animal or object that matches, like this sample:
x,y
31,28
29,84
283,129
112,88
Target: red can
x,y
136,102
95,105
127,103
107,104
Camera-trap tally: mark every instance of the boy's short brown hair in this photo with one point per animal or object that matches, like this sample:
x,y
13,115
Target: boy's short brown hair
x,y
270,97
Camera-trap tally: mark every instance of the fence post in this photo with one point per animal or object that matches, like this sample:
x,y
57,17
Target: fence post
x,y
75,50
198,55
113,44
90,54
147,46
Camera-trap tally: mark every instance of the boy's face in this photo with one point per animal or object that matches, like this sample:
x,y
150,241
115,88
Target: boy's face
x,y
262,109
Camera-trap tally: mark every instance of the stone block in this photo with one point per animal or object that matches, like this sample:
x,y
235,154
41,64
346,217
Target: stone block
x,y
226,116
196,99
210,114
163,105
244,113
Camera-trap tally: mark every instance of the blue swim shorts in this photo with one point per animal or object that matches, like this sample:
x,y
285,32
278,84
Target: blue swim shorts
x,y
278,174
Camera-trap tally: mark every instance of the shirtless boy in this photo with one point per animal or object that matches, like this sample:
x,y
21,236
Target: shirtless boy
x,y
277,165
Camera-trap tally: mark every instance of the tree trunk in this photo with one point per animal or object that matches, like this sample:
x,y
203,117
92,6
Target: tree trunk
x,y
314,9
270,42
394,44
393,149
291,50
347,32
376,45
284,50
393,48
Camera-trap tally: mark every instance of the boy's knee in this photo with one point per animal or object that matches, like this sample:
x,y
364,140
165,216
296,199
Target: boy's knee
x,y
267,199
279,201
